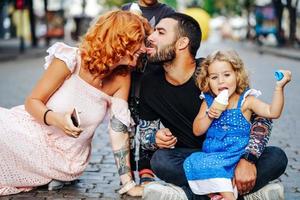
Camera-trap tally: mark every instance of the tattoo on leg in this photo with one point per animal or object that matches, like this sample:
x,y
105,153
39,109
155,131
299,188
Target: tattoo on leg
x,y
117,125
120,157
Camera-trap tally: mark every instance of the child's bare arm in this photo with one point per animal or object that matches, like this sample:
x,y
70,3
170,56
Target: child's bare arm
x,y
274,109
202,120
263,109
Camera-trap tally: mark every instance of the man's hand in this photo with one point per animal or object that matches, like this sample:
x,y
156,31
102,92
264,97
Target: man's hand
x,y
245,176
165,139
136,191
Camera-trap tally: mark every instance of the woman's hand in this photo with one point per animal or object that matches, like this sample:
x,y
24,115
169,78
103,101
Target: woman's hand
x,y
136,191
63,121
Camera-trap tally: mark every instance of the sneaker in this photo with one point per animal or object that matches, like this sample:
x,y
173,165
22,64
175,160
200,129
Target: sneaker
x,y
56,184
146,180
166,191
272,191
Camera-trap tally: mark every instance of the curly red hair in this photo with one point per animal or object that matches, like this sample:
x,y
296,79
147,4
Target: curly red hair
x,y
112,36
237,65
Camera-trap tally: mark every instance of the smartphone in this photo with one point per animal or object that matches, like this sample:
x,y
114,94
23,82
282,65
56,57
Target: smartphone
x,y
75,118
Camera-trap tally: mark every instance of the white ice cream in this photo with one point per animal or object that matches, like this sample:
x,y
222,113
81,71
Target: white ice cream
x,y
222,98
135,8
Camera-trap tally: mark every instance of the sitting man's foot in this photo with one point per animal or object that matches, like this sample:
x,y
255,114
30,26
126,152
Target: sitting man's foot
x,y
272,191
146,180
146,176
158,191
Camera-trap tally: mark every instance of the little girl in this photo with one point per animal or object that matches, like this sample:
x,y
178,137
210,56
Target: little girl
x,y
227,133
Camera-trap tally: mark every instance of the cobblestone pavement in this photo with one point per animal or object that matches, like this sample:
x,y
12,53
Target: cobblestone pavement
x,y
100,179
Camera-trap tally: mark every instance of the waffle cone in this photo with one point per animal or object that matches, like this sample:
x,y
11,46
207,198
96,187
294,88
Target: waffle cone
x,y
219,106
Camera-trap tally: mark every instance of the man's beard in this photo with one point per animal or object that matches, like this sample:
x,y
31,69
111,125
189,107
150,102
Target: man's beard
x,y
166,54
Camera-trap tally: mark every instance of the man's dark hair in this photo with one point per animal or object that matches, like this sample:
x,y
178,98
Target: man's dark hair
x,y
190,28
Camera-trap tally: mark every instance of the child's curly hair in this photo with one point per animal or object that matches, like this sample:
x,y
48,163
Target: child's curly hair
x,y
237,65
111,37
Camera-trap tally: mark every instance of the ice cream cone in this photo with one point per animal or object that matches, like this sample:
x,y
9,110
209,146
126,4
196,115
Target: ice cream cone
x,y
221,101
219,106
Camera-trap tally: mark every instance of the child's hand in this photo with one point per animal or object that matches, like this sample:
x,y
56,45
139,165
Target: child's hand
x,y
287,76
64,122
214,113
136,191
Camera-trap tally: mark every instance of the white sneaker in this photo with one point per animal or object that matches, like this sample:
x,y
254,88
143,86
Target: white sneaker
x,y
56,184
166,191
272,191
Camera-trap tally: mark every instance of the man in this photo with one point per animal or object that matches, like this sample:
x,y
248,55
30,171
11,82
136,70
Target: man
x,y
153,11
170,97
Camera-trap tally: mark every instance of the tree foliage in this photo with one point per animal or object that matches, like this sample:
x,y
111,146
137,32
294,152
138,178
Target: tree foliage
x,y
223,7
116,3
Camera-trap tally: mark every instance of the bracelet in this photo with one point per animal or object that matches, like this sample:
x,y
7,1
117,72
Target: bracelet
x,y
45,115
127,186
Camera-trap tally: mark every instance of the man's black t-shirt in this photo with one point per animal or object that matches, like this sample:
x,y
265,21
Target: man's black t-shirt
x,y
153,14
175,106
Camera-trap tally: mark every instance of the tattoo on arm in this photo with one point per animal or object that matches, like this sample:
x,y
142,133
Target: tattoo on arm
x,y
117,125
148,131
120,157
260,135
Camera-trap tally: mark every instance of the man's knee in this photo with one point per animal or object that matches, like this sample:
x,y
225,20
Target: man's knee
x,y
271,165
281,159
159,161
277,158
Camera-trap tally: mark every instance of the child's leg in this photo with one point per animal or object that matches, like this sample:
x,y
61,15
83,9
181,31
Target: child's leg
x,y
228,195
215,197
225,195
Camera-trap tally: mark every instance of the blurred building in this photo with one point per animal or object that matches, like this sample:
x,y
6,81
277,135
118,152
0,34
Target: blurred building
x,y
34,21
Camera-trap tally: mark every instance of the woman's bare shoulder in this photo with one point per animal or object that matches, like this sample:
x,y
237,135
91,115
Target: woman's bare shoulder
x,y
117,82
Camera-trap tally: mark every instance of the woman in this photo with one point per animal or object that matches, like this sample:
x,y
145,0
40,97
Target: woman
x,y
39,141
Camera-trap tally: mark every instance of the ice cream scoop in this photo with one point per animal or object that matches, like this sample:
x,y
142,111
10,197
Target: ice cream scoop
x,y
135,8
221,101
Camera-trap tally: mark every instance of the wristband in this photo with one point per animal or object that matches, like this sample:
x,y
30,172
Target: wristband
x,y
250,157
45,115
127,186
